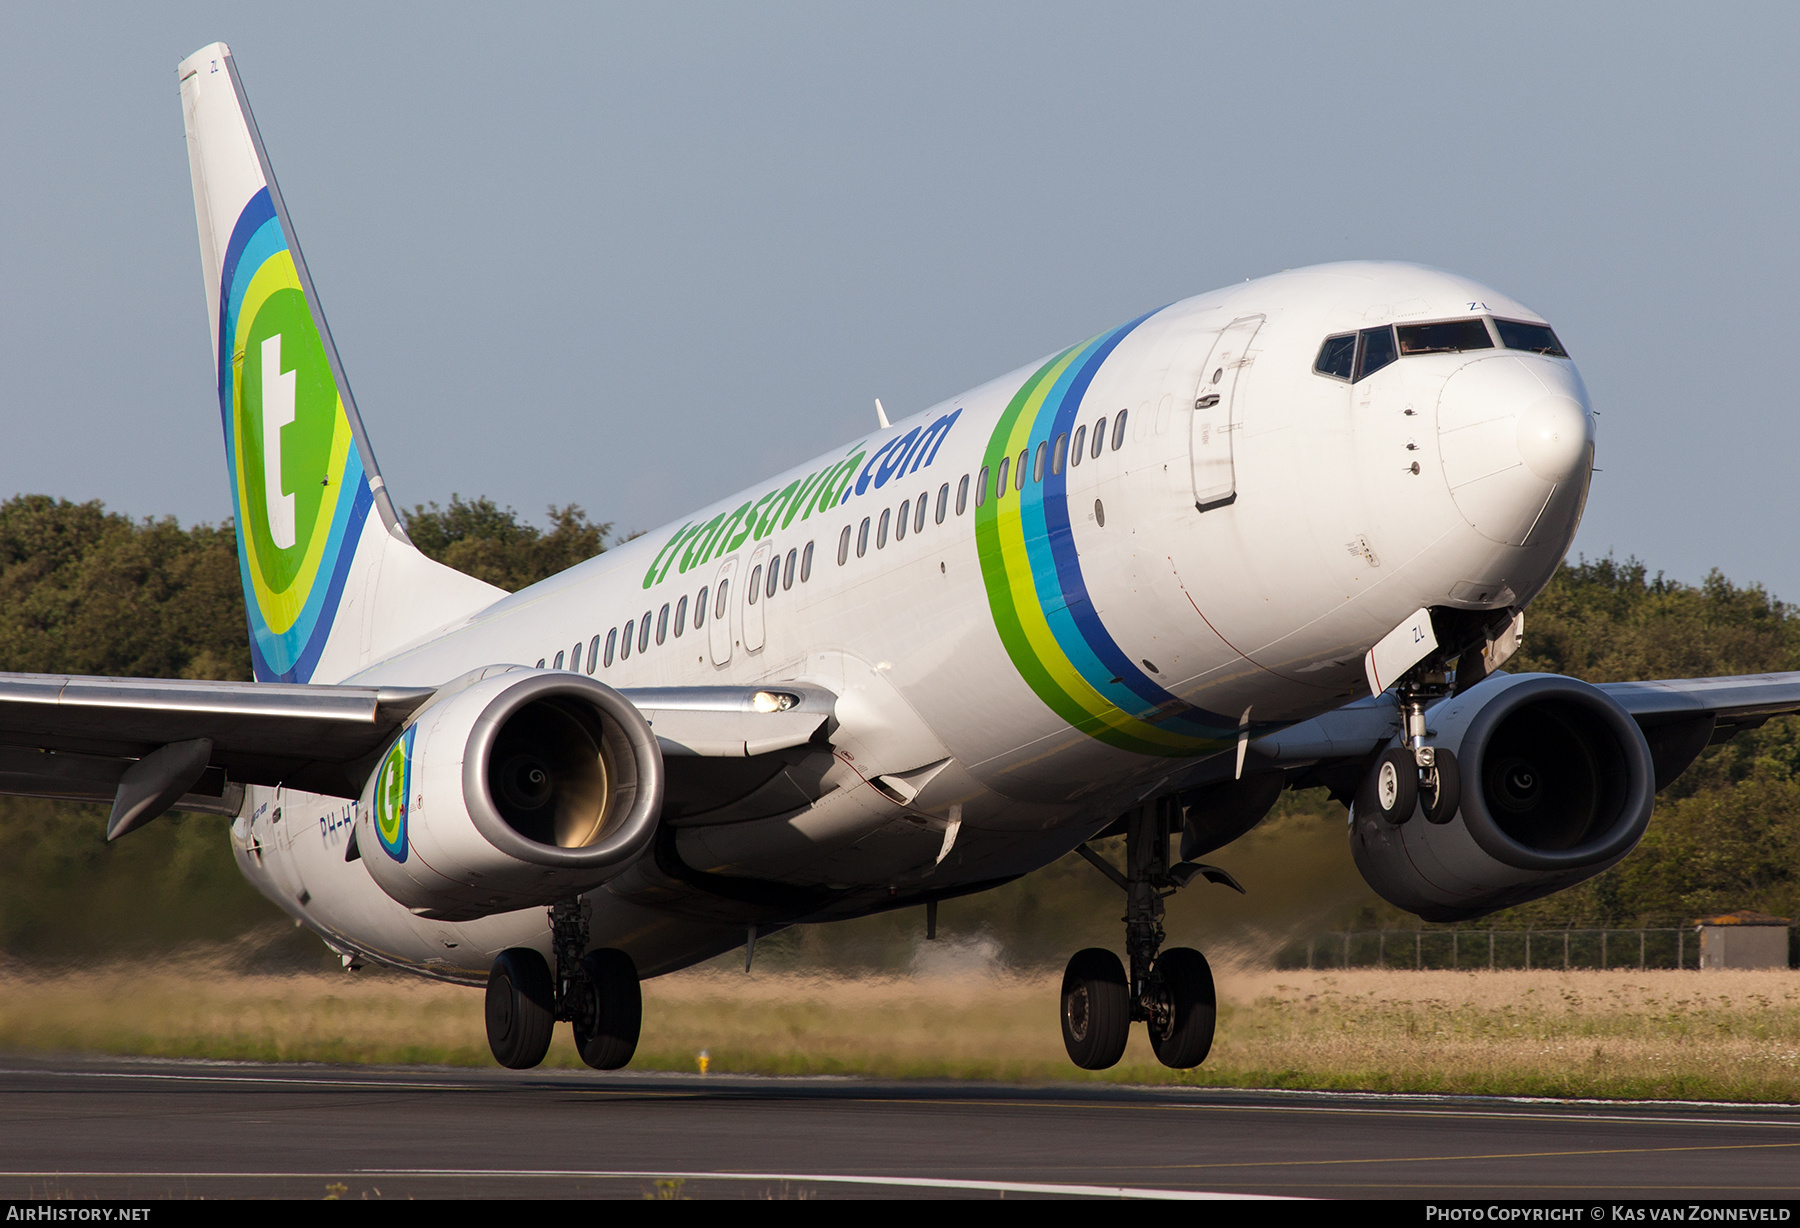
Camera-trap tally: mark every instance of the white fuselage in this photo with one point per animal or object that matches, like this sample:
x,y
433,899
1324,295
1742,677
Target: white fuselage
x,y
1333,510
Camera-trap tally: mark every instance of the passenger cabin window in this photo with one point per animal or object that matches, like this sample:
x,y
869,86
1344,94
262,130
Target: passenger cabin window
x,y
612,640
719,601
774,576
1518,335
1000,482
881,531
844,546
755,583
594,654
943,504
904,520
1060,456
540,663
1119,431
806,563
1337,357
680,617
1099,437
981,489
625,643
559,660
1019,470
787,572
1374,350
644,631
700,607
862,538
1444,337
919,512
1075,448
662,624
1037,462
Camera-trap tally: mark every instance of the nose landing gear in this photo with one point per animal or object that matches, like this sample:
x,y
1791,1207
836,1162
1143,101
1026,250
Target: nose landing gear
x,y
1413,776
597,992
1171,991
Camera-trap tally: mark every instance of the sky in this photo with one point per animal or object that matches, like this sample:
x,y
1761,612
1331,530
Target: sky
x,y
638,257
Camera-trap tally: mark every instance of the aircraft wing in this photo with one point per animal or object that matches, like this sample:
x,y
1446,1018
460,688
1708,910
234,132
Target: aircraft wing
x,y
1680,718
77,738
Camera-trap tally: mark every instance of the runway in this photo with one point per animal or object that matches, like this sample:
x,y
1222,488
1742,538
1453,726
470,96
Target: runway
x,y
133,1128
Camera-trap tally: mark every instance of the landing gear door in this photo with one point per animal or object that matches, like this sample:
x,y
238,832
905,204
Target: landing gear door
x,y
1216,414
721,597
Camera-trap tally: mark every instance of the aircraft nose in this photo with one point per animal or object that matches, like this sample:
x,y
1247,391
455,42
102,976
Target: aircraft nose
x,y
1554,437
1517,443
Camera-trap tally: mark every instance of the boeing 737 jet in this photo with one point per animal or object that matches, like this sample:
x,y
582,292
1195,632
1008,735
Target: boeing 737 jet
x,y
1275,536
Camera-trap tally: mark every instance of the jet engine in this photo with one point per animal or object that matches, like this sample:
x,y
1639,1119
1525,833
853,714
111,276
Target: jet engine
x,y
513,792
1556,786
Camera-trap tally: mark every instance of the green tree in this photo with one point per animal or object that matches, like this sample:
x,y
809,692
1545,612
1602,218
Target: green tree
x,y
481,539
87,591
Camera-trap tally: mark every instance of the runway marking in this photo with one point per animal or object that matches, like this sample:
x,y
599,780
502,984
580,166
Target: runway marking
x,y
1498,1155
401,1081
288,1080
931,1183
1357,1110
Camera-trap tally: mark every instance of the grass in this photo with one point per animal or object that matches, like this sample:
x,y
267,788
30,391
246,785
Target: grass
x,y
1656,1034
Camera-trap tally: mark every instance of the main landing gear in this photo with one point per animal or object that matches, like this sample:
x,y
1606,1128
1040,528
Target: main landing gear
x,y
597,992
1170,991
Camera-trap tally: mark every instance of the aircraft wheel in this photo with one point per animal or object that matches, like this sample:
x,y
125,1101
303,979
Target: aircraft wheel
x,y
1096,1009
1182,1035
1391,789
1443,788
610,1015
521,1008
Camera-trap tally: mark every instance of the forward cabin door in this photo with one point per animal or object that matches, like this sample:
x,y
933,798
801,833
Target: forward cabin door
x,y
719,617
1217,412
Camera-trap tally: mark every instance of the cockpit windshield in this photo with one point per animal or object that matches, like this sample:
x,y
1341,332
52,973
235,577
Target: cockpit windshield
x,y
1444,337
1517,335
1356,356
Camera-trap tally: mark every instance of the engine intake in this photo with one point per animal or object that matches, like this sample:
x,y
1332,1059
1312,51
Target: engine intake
x,y
1557,786
516,791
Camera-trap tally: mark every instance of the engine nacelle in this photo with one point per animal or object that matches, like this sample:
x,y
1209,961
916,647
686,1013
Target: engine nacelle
x,y
1557,786
517,791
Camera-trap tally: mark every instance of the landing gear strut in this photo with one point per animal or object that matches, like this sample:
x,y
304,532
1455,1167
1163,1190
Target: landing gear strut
x,y
1170,991
1414,776
597,992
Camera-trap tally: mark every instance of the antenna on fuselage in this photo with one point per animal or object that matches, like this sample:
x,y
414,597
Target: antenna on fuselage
x,y
881,415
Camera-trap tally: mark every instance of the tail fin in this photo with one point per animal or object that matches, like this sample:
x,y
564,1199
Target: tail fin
x,y
329,587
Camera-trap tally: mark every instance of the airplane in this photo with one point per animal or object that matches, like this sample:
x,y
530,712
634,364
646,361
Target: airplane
x,y
1280,535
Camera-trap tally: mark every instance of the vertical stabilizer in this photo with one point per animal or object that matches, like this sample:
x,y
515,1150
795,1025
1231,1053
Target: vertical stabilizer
x,y
331,582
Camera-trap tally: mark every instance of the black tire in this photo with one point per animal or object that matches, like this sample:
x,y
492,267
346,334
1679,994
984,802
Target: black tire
x,y
608,1021
1185,1034
520,1008
1443,794
1391,789
1096,1009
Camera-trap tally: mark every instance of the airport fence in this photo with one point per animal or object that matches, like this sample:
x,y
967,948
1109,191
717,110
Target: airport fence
x,y
1673,947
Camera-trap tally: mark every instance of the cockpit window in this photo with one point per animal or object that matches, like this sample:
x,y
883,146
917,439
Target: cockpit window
x,y
1377,351
1356,356
1337,357
1517,335
1444,337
